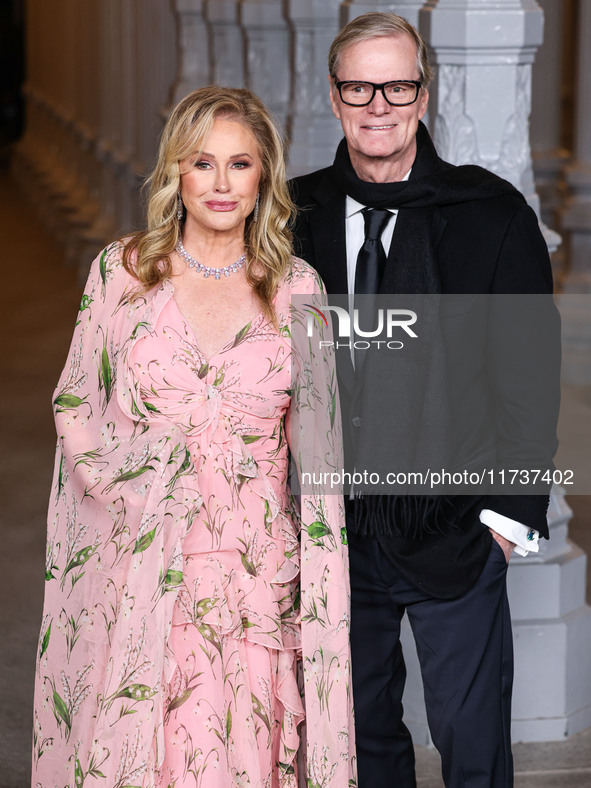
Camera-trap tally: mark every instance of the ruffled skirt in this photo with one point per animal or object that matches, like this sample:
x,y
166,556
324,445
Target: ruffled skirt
x,y
233,705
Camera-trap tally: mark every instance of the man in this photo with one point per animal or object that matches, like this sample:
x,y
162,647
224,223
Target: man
x,y
442,559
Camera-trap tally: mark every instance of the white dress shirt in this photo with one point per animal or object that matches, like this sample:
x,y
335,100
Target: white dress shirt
x,y
525,539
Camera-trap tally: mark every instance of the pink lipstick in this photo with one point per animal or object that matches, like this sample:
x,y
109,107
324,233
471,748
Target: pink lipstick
x,y
221,205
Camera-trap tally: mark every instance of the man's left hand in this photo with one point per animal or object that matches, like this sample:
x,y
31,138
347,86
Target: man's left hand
x,y
506,546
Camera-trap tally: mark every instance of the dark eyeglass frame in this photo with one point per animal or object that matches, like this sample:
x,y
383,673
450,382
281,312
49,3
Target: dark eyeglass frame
x,y
375,86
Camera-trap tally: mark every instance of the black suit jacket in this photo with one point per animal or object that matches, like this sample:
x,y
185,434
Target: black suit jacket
x,y
483,246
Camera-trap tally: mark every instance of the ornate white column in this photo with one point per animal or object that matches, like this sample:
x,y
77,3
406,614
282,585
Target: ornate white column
x,y
267,53
315,132
577,216
194,68
484,51
409,9
227,42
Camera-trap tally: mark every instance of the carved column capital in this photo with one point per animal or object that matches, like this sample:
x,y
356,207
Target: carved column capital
x,y
483,31
483,52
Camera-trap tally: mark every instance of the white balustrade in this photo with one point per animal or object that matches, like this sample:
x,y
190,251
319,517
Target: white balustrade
x,y
193,48
267,53
227,42
314,130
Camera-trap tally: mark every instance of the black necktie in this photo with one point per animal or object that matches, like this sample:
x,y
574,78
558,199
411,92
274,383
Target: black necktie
x,y
371,259
371,262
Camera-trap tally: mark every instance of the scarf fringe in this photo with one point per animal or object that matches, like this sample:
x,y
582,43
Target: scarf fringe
x,y
405,516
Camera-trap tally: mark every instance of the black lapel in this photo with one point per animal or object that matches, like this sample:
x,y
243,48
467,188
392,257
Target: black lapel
x,y
327,229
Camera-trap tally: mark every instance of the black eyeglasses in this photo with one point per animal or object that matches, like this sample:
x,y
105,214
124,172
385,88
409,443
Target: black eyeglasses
x,y
359,94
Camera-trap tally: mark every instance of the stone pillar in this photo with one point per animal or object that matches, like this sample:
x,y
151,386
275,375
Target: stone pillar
x,y
484,50
314,130
577,215
549,155
267,54
89,78
83,172
194,69
164,31
484,73
227,42
409,9
96,221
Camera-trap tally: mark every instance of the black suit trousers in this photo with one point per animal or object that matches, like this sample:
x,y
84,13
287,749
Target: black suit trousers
x,y
466,655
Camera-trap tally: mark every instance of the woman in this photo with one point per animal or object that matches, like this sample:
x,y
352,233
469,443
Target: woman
x,y
173,630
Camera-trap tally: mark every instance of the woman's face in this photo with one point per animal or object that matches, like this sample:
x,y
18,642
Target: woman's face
x,y
219,184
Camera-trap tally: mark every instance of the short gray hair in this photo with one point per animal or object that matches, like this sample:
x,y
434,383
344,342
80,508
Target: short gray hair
x,y
379,25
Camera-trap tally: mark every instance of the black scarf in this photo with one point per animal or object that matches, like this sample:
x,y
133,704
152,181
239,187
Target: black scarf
x,y
433,182
419,395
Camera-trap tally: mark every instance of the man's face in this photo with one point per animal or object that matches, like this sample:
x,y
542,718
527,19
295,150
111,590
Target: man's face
x,y
379,133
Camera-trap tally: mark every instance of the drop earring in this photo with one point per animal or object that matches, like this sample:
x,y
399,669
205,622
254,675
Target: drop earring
x,y
255,214
179,206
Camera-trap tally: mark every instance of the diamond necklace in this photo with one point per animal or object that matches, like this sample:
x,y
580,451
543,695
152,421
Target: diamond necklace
x,y
207,270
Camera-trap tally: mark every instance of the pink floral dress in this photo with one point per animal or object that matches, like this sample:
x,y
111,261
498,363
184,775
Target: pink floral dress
x,y
195,629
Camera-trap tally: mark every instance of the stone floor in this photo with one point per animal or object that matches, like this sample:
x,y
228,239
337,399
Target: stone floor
x,y
38,303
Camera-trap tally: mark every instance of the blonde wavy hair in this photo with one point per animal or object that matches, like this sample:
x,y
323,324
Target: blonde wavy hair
x,y
268,240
